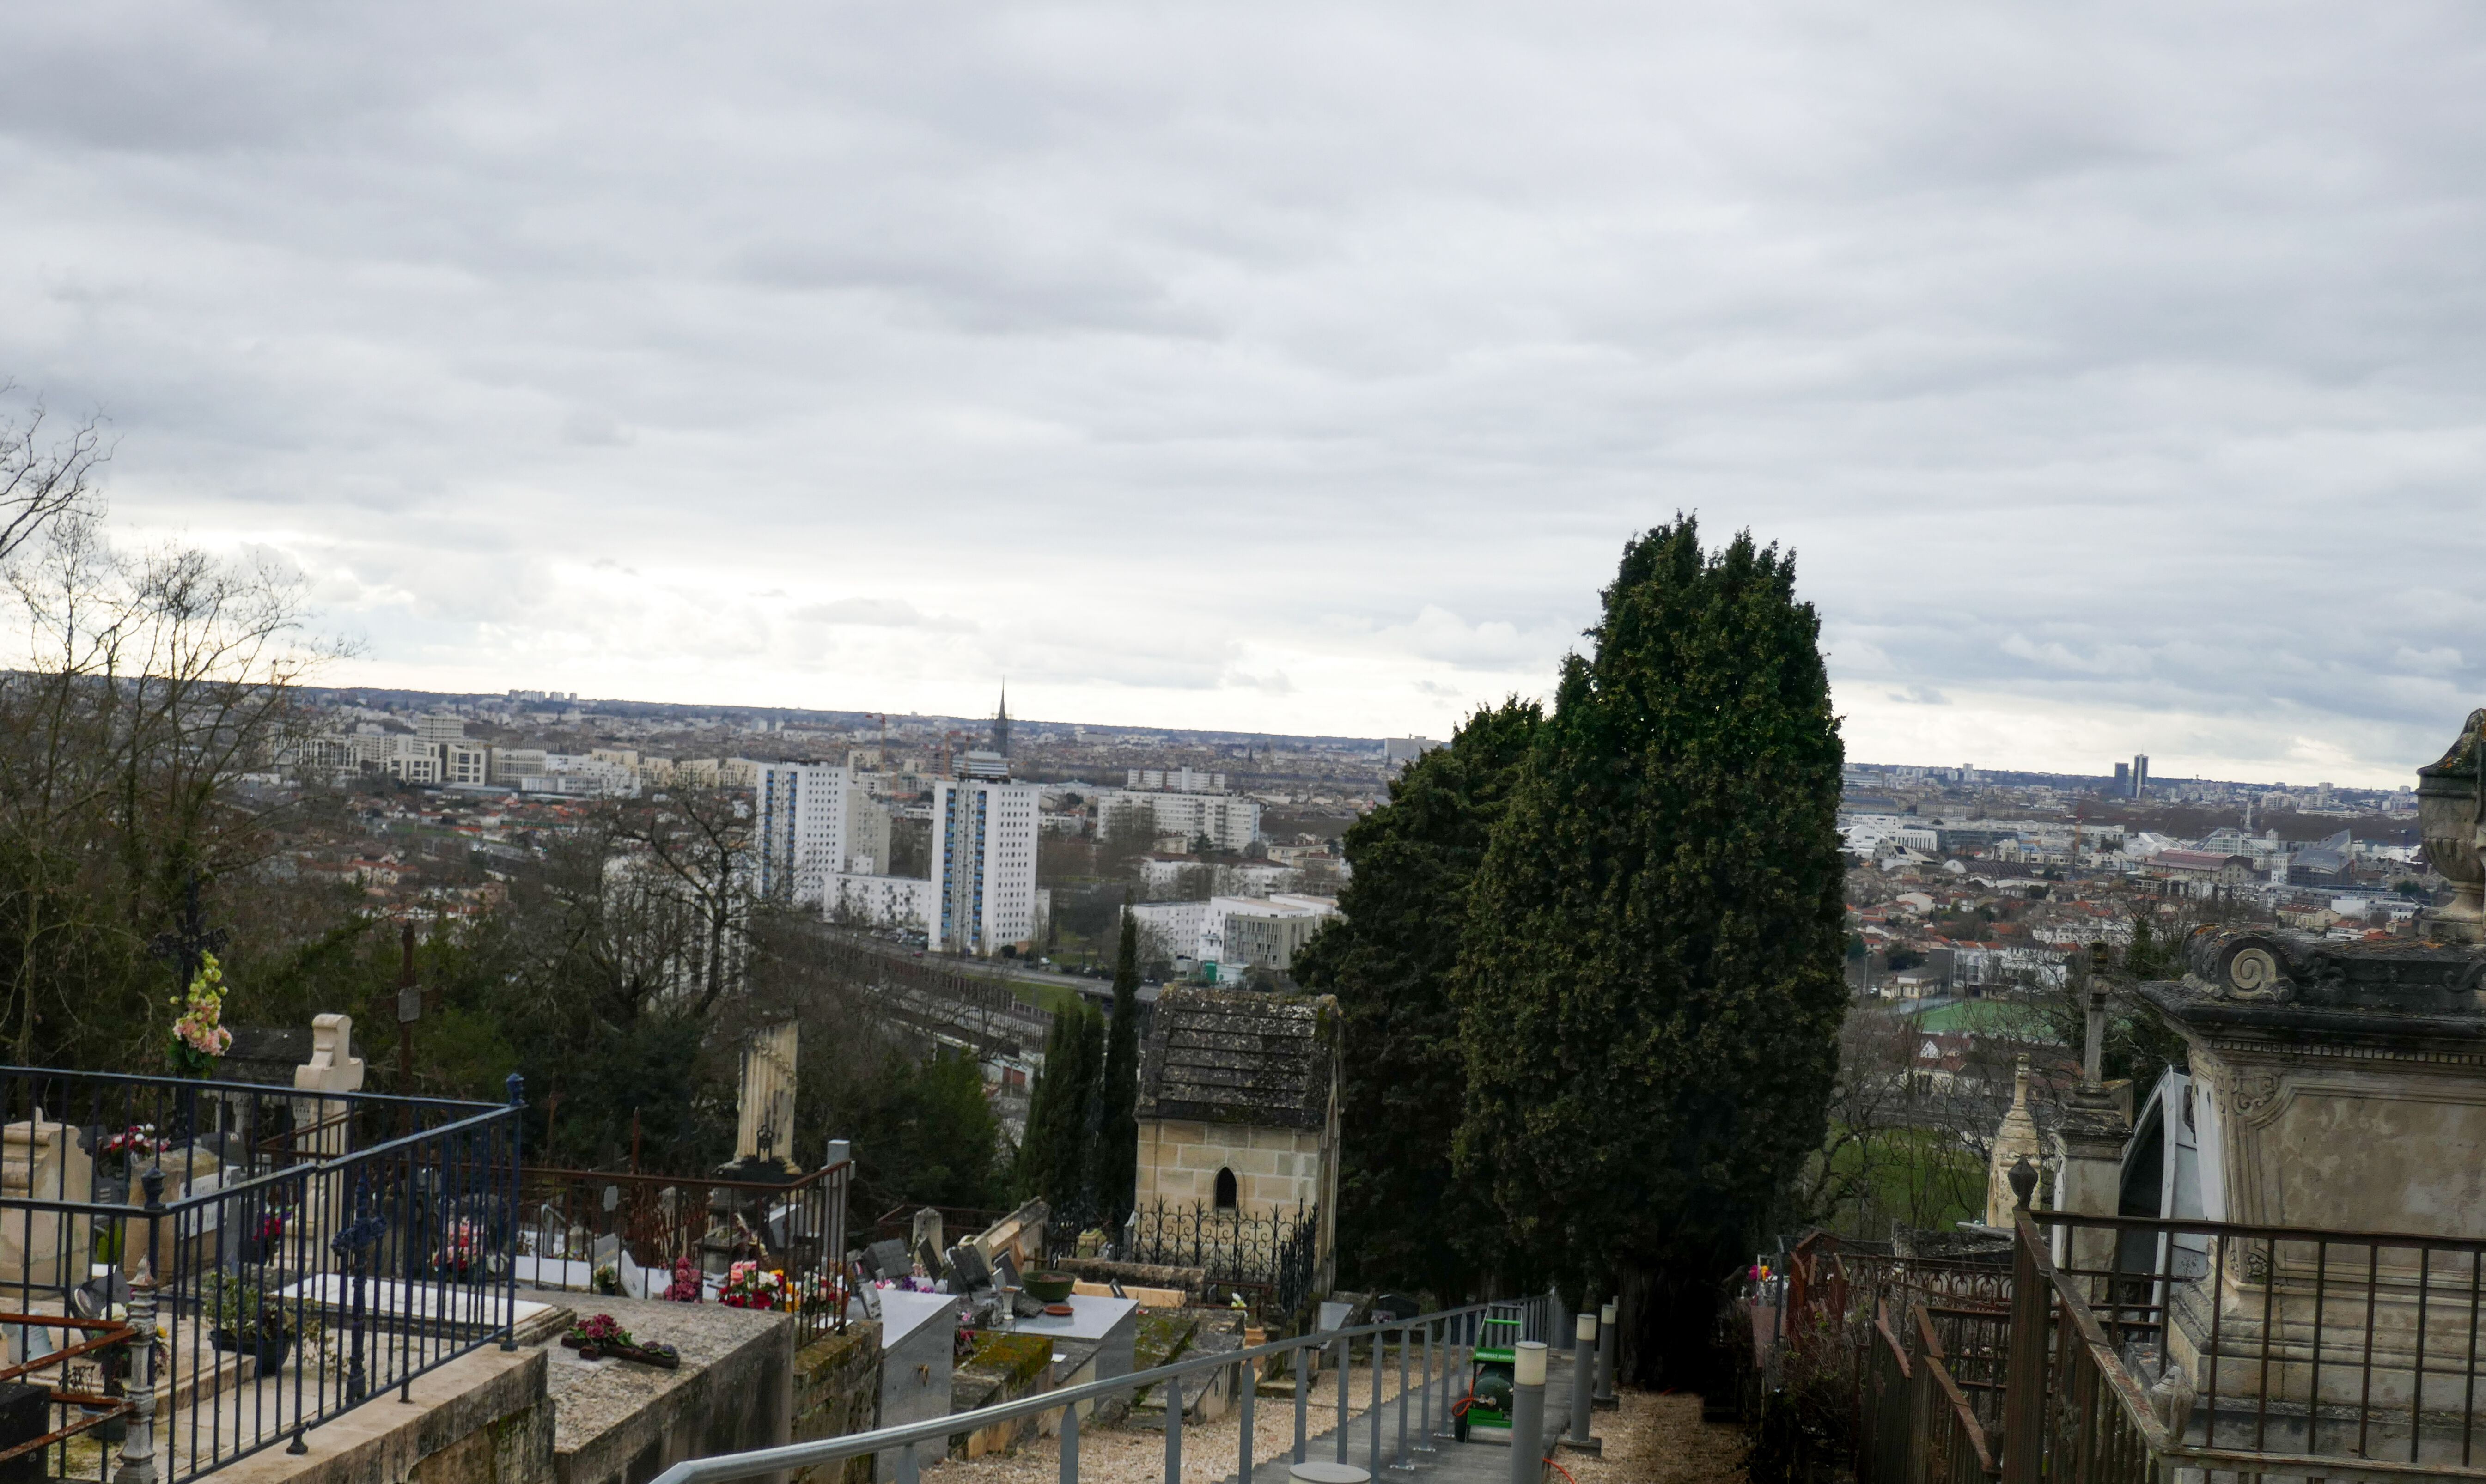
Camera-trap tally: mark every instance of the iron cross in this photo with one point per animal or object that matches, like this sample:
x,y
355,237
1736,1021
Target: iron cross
x,y
191,940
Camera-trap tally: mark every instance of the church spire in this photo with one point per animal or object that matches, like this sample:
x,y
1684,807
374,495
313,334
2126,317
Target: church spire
x,y
1001,723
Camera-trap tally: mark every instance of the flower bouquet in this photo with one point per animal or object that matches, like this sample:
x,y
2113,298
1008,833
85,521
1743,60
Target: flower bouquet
x,y
749,1285
686,1286
122,1150
603,1336
198,1040
462,1249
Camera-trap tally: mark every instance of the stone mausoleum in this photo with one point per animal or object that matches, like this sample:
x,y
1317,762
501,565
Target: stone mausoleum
x,y
1238,1109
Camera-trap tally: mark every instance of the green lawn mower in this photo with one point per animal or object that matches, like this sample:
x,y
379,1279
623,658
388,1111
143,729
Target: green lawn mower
x,y
1491,1378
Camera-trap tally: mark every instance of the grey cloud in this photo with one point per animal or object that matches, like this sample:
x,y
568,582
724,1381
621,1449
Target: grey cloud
x,y
2117,358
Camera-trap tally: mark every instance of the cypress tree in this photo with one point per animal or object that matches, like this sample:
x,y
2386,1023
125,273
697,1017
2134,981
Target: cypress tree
x,y
1118,1139
1054,1158
1405,1219
1649,987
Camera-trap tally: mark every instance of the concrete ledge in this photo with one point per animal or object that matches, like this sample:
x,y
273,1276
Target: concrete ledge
x,y
483,1418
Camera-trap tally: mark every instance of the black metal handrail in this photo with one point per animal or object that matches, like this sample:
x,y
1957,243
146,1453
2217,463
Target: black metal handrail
x,y
298,1251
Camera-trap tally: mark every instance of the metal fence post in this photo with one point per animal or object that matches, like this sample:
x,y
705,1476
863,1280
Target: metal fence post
x,y
138,1457
1528,1412
1583,1364
517,1086
1071,1443
2023,1392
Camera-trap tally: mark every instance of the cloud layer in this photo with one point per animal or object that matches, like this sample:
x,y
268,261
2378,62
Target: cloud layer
x,y
2115,372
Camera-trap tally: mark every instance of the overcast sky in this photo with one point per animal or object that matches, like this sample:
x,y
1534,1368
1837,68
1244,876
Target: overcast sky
x,y
2114,371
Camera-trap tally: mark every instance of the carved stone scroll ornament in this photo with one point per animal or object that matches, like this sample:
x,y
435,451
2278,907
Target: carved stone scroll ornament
x,y
2233,965
2453,826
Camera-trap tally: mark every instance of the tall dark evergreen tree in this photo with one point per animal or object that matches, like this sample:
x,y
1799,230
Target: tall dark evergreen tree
x,y
1405,1219
1650,986
1118,1137
1060,1137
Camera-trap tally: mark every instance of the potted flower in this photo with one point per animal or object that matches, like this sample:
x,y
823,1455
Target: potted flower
x,y
115,1158
749,1285
243,1319
462,1249
198,1040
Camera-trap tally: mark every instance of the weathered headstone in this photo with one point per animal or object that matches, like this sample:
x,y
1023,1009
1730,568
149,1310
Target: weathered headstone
x,y
42,1160
765,1136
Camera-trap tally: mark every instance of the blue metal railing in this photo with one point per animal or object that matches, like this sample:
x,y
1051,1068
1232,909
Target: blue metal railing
x,y
292,1253
1429,1347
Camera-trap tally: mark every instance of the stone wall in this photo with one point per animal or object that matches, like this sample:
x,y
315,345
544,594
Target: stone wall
x,y
1275,1168
620,1422
837,1391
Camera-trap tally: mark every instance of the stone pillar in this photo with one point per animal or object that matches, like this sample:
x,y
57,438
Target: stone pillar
x,y
2014,1140
2089,1150
321,1130
39,1160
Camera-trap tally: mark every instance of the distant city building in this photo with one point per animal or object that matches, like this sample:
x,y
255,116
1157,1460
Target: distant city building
x,y
1180,807
799,835
1398,751
983,864
1002,726
1175,780
2140,776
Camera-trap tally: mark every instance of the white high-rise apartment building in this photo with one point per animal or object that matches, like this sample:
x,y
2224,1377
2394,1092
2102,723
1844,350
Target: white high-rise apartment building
x,y
1228,822
983,864
799,835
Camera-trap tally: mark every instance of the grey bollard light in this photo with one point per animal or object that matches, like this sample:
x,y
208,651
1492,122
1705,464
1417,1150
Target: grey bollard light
x,y
1583,1363
1606,1357
1528,1412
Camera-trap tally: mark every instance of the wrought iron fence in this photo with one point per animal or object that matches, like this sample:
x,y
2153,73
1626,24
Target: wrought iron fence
x,y
1277,1253
292,1253
2133,1349
659,1236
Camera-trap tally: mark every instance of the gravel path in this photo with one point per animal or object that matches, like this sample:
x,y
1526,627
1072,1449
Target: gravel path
x,y
1655,1438
1129,1455
1658,1438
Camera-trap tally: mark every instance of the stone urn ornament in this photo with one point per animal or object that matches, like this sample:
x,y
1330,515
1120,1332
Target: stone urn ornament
x,y
2451,816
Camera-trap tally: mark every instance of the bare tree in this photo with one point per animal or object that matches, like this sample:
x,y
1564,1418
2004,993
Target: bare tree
x,y
44,477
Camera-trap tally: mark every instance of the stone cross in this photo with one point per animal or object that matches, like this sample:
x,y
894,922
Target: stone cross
x,y
766,1128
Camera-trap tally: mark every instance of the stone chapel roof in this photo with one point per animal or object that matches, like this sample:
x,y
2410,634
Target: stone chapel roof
x,y
1240,1058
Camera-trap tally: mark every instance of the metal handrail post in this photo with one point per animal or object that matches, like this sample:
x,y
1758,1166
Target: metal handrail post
x,y
1302,1368
1424,1410
1402,1464
1173,1430
1071,1443
1343,1376
1251,1391
1372,1413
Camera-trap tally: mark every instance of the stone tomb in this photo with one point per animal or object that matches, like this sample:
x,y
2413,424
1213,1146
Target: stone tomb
x,y
2338,1086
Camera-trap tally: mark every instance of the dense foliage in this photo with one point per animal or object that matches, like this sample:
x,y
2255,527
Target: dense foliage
x,y
1055,1161
1117,1145
1650,986
1405,1219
